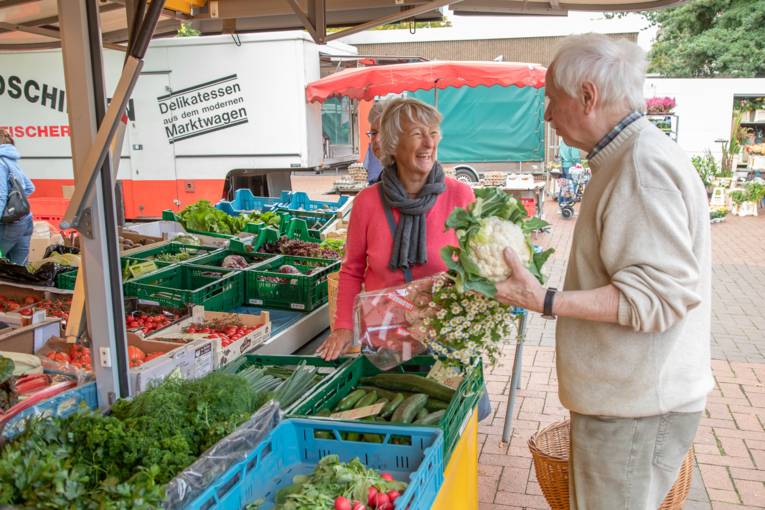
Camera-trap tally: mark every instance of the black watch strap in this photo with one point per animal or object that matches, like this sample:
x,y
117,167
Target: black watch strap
x,y
547,309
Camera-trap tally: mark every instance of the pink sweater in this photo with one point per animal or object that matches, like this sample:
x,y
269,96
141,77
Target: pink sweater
x,y
367,250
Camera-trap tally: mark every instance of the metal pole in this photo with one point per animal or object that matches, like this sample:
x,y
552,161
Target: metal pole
x,y
100,272
515,380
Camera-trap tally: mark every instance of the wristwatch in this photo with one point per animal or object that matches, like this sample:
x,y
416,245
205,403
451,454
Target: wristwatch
x,y
547,309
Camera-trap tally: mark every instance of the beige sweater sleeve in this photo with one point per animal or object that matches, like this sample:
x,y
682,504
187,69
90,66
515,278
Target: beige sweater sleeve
x,y
647,246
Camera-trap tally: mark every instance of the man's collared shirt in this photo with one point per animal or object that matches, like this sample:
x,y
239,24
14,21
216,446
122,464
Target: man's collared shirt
x,y
611,135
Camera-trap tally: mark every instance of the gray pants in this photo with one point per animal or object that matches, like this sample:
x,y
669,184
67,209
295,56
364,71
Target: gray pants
x,y
627,463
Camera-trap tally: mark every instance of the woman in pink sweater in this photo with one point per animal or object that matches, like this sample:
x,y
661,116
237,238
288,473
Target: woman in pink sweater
x,y
396,230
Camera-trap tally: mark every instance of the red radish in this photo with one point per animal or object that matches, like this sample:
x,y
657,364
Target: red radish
x,y
342,503
393,495
387,477
371,496
357,505
381,499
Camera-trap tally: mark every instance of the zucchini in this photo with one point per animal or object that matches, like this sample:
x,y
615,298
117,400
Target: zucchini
x,y
409,408
372,438
422,413
324,412
323,434
384,402
367,400
392,405
411,382
436,405
350,400
353,436
432,418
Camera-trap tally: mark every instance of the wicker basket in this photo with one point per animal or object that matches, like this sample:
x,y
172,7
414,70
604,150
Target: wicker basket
x,y
549,449
333,280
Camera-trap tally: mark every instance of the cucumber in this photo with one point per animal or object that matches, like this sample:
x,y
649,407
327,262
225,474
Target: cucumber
x,y
410,382
323,434
392,405
324,412
351,399
372,438
367,400
422,413
436,405
409,408
353,436
432,418
382,393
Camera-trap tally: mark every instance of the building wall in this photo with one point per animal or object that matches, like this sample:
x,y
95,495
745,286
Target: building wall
x,y
704,108
537,50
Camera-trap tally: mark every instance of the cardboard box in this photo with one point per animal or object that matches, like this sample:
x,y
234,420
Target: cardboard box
x,y
222,356
189,361
29,339
67,192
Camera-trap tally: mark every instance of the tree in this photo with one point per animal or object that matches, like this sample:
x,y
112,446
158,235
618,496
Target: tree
x,y
710,38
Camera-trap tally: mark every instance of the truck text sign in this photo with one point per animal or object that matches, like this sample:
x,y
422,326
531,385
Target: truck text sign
x,y
203,108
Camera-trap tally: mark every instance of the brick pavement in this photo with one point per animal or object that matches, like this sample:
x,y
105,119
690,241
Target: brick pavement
x,y
729,473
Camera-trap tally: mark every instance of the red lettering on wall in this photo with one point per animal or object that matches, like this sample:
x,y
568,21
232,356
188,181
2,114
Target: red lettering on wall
x,y
52,131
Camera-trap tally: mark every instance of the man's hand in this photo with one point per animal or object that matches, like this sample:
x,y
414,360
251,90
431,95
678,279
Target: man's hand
x,y
336,344
522,288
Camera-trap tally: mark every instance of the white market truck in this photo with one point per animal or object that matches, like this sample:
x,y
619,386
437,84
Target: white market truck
x,y
208,114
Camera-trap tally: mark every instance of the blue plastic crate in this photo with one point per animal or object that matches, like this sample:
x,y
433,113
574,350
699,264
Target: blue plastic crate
x,y
300,200
244,200
292,449
61,406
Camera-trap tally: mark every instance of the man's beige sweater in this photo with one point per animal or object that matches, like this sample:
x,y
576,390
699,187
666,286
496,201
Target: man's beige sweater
x,y
643,226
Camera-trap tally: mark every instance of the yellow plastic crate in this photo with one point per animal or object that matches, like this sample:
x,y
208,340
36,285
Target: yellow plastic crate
x,y
461,474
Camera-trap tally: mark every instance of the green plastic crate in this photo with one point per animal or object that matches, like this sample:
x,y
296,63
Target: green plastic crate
x,y
336,366
215,259
195,252
452,423
304,292
177,286
68,279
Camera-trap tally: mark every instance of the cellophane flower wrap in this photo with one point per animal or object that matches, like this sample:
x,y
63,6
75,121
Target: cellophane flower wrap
x,y
454,314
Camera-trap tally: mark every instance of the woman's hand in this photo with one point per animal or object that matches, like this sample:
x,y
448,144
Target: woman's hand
x,y
336,344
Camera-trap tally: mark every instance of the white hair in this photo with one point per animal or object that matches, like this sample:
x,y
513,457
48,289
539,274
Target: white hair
x,y
616,67
396,110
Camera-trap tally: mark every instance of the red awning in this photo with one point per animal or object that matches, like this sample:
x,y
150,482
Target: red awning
x,y
367,82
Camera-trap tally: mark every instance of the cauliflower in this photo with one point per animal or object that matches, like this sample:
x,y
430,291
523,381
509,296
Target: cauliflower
x,y
487,246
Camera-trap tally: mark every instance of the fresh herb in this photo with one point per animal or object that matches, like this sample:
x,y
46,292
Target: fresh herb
x,y
8,394
123,460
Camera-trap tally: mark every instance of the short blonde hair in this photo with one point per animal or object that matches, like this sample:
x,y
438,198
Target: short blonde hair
x,y
376,112
396,110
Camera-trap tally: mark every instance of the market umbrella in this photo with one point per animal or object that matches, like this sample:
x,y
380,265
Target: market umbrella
x,y
365,83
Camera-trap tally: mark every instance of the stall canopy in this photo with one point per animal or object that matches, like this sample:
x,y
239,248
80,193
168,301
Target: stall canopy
x,y
28,24
366,83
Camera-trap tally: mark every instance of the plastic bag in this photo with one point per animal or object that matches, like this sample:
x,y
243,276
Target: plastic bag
x,y
45,276
227,452
388,323
60,249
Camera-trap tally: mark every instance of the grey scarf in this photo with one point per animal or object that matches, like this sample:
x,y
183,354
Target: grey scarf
x,y
410,239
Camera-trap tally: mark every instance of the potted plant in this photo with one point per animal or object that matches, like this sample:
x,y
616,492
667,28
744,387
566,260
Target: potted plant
x,y
706,167
660,105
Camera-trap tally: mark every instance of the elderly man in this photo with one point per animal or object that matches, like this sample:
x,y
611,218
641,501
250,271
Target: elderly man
x,y
633,331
